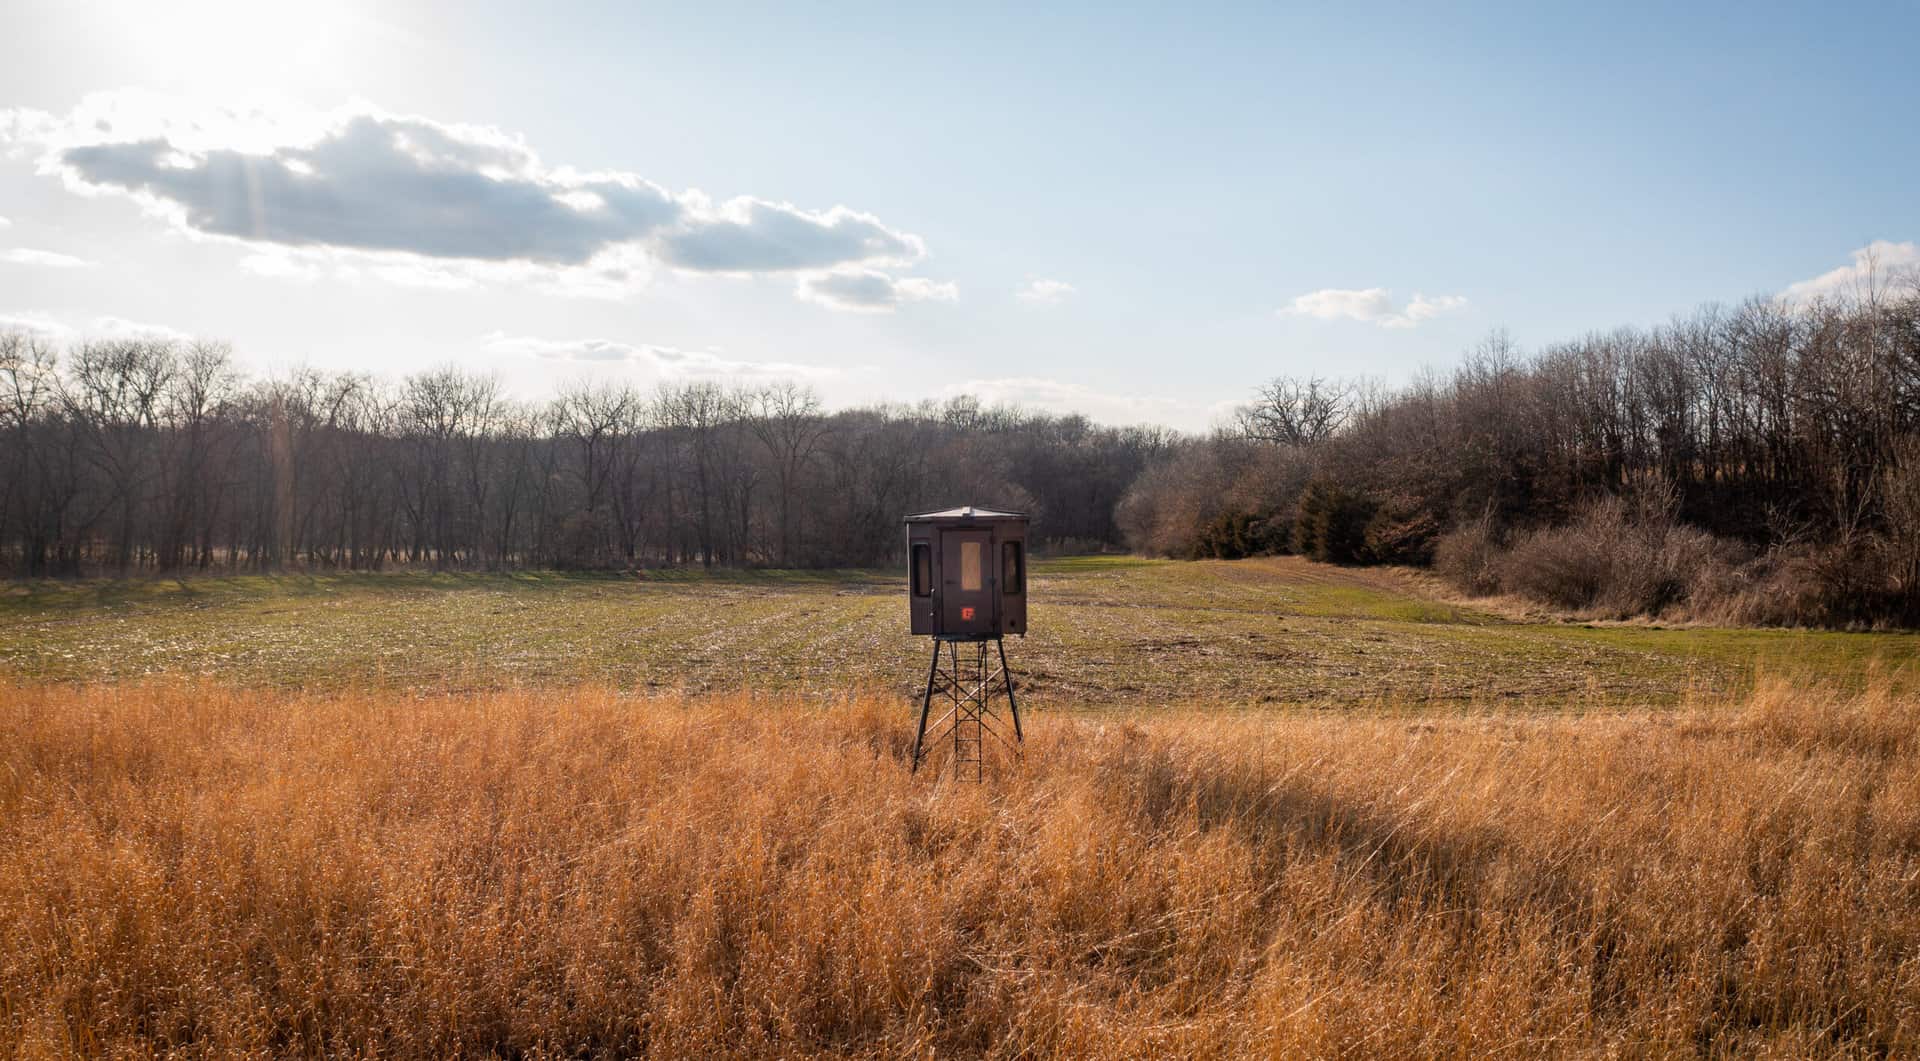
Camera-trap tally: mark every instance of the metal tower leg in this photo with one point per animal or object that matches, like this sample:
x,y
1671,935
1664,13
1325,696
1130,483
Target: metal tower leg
x,y
926,703
1013,706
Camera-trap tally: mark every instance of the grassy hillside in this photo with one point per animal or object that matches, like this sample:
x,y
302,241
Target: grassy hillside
x,y
1106,631
206,871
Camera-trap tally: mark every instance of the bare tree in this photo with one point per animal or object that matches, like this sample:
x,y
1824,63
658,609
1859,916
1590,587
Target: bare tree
x,y
596,419
39,472
115,397
787,420
1296,412
195,407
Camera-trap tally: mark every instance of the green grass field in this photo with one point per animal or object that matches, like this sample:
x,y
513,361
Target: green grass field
x,y
1106,631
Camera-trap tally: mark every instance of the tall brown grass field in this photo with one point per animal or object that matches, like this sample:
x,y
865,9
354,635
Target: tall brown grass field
x,y
202,870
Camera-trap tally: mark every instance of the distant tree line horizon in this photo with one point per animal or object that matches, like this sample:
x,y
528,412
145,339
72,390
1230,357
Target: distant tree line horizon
x,y
1766,425
137,455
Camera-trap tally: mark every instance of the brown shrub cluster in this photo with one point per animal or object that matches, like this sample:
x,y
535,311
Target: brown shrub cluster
x,y
1615,559
202,871
1622,557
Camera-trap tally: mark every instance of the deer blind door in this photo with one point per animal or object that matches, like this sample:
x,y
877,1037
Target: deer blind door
x,y
966,582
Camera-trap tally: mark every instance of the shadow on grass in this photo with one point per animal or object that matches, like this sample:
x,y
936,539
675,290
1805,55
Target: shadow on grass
x,y
1467,878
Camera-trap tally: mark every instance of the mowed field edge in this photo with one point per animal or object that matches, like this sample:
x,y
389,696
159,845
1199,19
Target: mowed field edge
x,y
1106,631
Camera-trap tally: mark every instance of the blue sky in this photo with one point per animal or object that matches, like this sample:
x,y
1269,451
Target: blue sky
x,y
1139,213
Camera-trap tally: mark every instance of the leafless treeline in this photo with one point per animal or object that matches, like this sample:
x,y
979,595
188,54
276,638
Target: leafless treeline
x,y
1775,427
1770,425
131,455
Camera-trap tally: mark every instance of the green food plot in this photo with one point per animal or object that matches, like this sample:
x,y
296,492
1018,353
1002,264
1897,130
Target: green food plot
x,y
1106,631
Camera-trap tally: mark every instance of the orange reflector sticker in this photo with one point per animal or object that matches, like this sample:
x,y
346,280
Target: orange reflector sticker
x,y
966,615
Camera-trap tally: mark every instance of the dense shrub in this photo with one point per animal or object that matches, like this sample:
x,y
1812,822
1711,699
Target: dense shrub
x,y
1837,584
1613,561
1617,559
1560,566
1166,510
1232,535
1468,555
1330,524
1400,531
1216,497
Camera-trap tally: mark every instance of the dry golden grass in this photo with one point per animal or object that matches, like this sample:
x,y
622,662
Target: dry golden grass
x,y
198,870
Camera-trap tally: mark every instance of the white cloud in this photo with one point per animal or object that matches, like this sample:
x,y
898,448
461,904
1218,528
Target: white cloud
x,y
34,324
5,222
282,266
1335,303
47,259
871,291
1423,308
97,328
753,236
1061,396
613,275
423,274
1874,265
373,182
668,361
1373,305
475,202
117,328
1045,292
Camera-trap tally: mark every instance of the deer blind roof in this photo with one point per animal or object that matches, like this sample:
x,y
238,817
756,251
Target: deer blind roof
x,y
964,512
